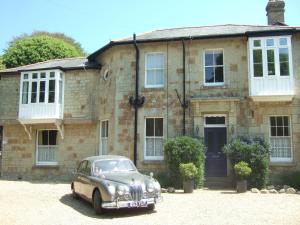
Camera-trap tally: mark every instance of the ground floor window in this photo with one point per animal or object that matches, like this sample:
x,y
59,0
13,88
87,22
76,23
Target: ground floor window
x,y
104,137
47,147
154,139
280,138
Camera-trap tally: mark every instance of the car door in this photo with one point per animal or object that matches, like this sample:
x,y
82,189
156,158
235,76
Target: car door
x,y
87,182
79,184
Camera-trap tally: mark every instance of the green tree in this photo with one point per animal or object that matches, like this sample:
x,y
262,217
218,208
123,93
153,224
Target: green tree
x,y
38,47
1,64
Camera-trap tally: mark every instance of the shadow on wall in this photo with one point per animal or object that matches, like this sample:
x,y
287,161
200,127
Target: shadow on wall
x,y
85,208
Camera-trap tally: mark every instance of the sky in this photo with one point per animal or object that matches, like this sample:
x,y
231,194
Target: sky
x,y
93,23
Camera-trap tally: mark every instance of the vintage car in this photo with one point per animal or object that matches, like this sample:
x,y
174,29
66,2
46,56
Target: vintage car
x,y
113,182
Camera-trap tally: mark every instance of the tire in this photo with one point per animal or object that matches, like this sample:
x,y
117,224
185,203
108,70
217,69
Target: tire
x,y
74,194
151,207
97,202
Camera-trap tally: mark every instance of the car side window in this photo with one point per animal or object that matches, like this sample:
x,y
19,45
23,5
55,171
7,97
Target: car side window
x,y
82,167
88,168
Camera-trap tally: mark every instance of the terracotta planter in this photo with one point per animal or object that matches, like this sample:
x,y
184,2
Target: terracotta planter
x,y
241,186
188,186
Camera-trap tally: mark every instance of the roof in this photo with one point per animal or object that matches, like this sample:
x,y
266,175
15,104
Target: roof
x,y
63,64
101,157
202,32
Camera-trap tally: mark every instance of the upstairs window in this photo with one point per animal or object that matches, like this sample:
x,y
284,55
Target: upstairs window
x,y
154,70
270,56
214,67
41,87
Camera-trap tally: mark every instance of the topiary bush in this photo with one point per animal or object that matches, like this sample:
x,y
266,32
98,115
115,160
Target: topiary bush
x,y
255,152
188,171
242,170
184,150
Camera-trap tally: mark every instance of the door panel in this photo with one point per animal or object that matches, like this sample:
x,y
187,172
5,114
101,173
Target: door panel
x,y
215,162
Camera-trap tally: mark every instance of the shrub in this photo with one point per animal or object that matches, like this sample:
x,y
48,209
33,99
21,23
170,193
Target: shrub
x,y
184,150
164,179
188,171
255,152
242,170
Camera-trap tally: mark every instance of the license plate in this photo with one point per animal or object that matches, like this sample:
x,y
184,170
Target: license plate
x,y
137,204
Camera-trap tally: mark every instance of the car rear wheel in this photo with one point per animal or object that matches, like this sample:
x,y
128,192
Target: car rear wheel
x,y
151,207
97,202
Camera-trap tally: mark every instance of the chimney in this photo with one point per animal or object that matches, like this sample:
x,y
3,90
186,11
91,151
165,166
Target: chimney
x,y
275,12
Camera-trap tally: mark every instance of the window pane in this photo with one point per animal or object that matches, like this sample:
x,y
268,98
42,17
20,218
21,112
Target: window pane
x,y
149,146
25,92
52,137
271,62
257,56
279,121
25,77
51,97
283,41
155,61
42,91
159,127
33,92
60,92
273,131
270,42
150,127
286,131
158,147
43,137
209,74
209,58
218,58
257,61
279,131
285,121
159,77
273,121
284,69
43,75
257,43
34,76
284,61
258,70
52,74
150,77
215,120
219,74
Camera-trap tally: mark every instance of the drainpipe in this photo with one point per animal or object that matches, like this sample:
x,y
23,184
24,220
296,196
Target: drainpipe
x,y
184,103
136,101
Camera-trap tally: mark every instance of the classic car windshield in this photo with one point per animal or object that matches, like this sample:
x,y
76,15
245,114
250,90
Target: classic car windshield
x,y
113,165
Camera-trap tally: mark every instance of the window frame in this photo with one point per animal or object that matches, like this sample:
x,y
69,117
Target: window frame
x,y
281,159
106,138
58,78
45,163
264,49
214,84
146,70
154,158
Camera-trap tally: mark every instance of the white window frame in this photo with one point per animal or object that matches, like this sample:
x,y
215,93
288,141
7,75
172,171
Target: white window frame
x,y
58,77
105,138
146,70
45,163
264,49
145,139
280,159
215,125
204,66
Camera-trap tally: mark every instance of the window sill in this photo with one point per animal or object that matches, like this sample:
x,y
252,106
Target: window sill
x,y
154,87
43,166
209,86
287,164
153,161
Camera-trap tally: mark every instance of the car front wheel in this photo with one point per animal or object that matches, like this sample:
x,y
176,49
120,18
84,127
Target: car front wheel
x,y
97,202
74,194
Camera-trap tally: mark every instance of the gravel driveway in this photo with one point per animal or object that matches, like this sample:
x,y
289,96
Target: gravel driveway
x,y
29,203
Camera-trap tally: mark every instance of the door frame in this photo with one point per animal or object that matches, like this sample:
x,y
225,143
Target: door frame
x,y
225,125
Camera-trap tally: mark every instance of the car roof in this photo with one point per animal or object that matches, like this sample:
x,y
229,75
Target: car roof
x,y
101,157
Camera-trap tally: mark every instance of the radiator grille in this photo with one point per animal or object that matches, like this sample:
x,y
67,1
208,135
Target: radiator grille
x,y
136,192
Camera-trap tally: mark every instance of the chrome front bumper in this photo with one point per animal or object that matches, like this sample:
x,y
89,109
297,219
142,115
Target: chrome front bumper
x,y
127,204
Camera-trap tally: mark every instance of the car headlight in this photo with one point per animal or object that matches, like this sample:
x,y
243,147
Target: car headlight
x,y
150,187
157,186
122,189
111,189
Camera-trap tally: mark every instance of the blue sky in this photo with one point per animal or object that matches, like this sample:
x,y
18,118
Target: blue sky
x,y
93,23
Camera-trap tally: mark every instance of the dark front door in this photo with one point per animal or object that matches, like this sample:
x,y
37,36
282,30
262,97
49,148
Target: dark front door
x,y
215,162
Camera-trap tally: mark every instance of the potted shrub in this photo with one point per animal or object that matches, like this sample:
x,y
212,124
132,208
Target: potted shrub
x,y
188,172
242,171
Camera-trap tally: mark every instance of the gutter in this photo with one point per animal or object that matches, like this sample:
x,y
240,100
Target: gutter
x,y
184,104
136,101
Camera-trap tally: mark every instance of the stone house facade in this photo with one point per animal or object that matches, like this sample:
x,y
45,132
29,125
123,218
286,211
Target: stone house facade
x,y
214,82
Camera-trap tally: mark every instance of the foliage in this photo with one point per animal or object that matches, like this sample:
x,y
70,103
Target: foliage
x,y
2,66
287,178
255,152
188,171
164,179
38,47
242,170
184,150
